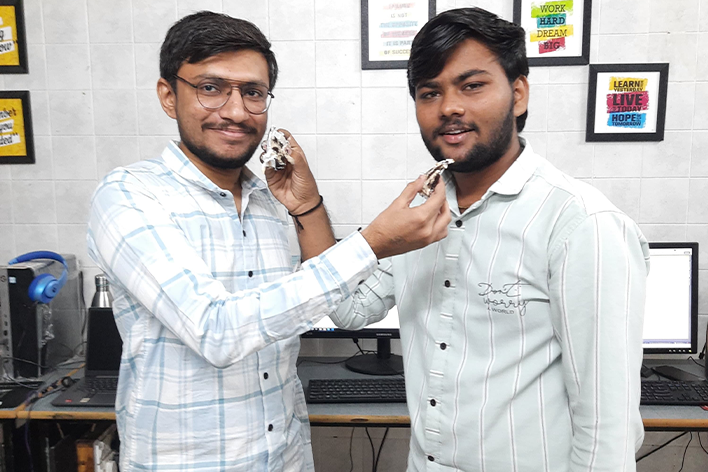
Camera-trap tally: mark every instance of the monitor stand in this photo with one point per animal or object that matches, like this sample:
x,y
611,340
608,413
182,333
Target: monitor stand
x,y
381,363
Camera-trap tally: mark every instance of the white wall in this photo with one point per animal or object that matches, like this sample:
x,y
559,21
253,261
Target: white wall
x,y
94,66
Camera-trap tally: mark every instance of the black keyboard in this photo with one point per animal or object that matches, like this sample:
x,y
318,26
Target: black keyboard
x,y
101,384
362,390
674,392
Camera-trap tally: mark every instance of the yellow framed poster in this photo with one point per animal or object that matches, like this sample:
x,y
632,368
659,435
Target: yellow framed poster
x,y
13,46
16,145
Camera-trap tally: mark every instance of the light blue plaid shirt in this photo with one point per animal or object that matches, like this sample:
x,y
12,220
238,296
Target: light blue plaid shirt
x,y
209,310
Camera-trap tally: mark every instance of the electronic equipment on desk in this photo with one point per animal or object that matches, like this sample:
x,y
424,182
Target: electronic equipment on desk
x,y
671,321
380,363
15,392
41,313
358,390
103,352
671,309
674,392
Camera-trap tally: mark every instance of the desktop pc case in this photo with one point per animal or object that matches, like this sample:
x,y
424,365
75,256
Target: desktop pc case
x,y
33,336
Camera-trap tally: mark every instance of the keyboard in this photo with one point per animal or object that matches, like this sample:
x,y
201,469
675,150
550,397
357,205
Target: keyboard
x,y
361,390
674,392
102,384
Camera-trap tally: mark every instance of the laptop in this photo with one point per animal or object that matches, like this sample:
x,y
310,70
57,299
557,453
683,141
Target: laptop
x,y
103,350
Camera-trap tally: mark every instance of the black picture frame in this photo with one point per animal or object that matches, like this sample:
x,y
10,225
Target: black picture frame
x,y
580,59
19,37
8,116
632,126
366,61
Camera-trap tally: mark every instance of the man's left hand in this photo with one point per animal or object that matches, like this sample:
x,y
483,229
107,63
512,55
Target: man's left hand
x,y
294,186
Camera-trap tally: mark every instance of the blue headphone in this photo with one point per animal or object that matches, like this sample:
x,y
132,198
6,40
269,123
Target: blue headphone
x,y
44,287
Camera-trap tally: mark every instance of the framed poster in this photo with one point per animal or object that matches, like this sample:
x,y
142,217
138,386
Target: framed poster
x,y
627,102
387,31
13,46
557,31
16,145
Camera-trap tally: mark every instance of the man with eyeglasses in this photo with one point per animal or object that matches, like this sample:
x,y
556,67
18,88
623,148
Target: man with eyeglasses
x,y
196,250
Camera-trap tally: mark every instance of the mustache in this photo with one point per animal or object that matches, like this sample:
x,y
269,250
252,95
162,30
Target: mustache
x,y
448,125
230,126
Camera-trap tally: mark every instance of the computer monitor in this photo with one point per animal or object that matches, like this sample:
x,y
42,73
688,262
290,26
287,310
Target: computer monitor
x,y
380,363
671,310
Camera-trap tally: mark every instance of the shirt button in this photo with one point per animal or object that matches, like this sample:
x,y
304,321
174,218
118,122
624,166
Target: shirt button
x,y
433,402
431,458
458,223
250,273
447,283
223,194
270,427
443,346
265,376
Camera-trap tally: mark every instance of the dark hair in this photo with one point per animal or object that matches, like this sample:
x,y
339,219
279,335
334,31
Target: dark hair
x,y
205,34
438,38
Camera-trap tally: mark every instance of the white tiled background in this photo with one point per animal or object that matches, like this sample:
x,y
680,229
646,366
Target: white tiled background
x,y
93,67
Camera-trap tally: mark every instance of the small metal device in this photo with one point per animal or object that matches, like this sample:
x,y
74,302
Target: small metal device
x,y
433,175
276,150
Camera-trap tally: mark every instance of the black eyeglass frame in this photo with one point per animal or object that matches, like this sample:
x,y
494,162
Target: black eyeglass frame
x,y
228,96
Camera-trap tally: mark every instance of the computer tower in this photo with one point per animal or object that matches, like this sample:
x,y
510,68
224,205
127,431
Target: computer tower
x,y
35,337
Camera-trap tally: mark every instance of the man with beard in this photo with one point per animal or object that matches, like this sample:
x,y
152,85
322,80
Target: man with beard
x,y
521,330
195,247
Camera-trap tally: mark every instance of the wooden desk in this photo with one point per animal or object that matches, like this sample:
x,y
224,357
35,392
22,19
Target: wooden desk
x,y
655,418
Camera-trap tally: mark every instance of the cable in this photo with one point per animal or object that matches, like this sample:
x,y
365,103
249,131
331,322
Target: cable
x,y
27,444
302,361
378,454
663,445
82,302
695,361
373,452
684,452
25,361
351,456
356,341
701,442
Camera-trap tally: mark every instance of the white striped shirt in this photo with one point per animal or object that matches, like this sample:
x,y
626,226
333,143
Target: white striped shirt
x,y
209,311
524,326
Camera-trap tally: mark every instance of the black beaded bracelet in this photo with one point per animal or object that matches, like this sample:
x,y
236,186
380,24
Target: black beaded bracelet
x,y
295,217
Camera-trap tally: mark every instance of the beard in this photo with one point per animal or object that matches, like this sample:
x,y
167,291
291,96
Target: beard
x,y
482,155
214,160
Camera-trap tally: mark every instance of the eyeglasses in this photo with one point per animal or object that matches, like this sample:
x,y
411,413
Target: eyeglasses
x,y
213,93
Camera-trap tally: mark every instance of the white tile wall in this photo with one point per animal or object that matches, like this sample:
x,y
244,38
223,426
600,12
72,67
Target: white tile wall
x,y
94,64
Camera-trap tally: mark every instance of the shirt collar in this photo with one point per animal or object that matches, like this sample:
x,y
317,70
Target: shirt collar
x,y
179,163
512,181
516,176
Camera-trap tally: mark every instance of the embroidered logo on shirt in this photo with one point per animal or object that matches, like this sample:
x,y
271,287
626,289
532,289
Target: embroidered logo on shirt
x,y
506,300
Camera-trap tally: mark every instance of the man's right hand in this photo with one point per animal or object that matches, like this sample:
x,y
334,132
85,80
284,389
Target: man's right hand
x,y
400,228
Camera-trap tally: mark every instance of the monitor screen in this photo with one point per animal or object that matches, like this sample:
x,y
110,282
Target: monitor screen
x,y
386,328
671,310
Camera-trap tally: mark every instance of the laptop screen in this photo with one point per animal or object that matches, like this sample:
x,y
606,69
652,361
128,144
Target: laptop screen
x,y
103,342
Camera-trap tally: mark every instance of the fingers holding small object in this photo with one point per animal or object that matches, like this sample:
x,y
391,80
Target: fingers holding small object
x,y
433,177
276,150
